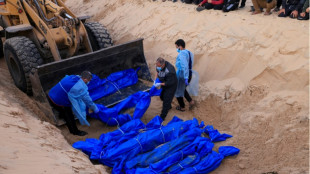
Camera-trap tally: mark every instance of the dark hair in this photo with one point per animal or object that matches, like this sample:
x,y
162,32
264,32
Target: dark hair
x,y
180,42
160,60
86,75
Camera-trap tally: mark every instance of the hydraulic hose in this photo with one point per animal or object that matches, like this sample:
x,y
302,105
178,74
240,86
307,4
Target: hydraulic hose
x,y
41,12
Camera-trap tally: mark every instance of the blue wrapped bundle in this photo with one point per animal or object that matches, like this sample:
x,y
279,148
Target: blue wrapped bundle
x,y
110,116
189,161
161,152
145,142
215,135
212,161
115,141
201,145
99,88
93,147
140,100
126,131
87,146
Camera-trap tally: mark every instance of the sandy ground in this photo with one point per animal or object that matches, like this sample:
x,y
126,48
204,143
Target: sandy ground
x,y
28,143
254,84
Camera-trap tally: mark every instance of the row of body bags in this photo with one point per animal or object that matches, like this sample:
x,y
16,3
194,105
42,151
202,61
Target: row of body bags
x,y
178,147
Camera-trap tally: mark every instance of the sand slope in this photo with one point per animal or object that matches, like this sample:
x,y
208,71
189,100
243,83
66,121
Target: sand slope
x,y
254,74
29,145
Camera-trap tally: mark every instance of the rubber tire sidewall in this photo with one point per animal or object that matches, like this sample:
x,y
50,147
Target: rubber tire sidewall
x,y
92,39
21,83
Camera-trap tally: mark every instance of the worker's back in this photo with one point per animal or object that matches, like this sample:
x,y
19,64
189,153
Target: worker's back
x,y
58,94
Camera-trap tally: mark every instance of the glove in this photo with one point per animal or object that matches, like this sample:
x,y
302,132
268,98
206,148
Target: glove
x,y
157,85
154,83
96,110
186,82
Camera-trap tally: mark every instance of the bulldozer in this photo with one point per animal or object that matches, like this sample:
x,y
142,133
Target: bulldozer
x,y
43,41
37,32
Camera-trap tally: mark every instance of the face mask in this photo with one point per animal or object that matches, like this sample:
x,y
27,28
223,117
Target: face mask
x,y
178,50
158,68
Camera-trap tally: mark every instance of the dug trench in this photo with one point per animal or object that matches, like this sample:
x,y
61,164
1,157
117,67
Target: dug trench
x,y
270,130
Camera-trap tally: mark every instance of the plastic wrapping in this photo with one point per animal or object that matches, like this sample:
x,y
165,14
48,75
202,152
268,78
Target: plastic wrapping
x,y
193,87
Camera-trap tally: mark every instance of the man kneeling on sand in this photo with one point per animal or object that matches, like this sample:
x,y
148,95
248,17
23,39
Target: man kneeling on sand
x,y
291,8
259,4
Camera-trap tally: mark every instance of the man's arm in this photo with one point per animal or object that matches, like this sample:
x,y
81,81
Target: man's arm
x,y
89,102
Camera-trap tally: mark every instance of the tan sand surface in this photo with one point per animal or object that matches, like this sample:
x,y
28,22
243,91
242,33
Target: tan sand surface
x,y
254,84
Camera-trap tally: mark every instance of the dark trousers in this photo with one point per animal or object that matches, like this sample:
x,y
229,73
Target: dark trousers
x,y
186,95
279,3
66,113
243,2
215,7
230,5
166,96
288,10
181,101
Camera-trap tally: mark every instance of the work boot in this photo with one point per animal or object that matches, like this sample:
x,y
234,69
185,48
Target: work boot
x,y
306,17
80,133
163,117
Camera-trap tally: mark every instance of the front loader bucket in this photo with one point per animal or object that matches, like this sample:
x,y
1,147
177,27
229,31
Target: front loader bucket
x,y
102,63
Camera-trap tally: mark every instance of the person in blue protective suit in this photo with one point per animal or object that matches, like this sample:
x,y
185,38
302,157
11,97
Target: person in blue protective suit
x,y
184,64
71,94
167,75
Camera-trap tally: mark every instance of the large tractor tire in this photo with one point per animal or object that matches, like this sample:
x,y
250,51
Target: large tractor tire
x,y
98,36
21,56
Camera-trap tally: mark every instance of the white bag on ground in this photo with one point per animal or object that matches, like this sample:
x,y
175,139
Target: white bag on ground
x,y
193,87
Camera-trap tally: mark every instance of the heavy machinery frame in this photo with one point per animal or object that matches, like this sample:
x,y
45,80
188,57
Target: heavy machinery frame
x,y
36,32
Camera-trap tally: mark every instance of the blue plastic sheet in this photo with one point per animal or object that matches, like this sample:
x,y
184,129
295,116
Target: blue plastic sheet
x,y
99,88
215,135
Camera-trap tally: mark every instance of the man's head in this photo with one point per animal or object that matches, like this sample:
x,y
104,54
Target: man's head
x,y
86,76
160,63
180,44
